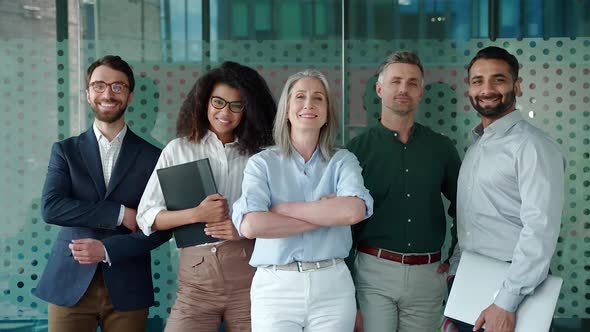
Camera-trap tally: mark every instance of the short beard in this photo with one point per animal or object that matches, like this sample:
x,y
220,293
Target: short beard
x,y
499,109
108,118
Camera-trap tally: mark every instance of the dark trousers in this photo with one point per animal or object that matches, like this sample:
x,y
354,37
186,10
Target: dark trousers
x,y
464,327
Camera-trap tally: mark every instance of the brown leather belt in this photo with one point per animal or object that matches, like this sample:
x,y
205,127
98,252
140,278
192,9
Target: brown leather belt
x,y
411,259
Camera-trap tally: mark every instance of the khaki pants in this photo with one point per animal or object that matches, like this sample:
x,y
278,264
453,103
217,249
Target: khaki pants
x,y
94,309
398,297
213,285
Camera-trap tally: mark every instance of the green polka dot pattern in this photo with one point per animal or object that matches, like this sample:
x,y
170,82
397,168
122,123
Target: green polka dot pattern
x,y
35,111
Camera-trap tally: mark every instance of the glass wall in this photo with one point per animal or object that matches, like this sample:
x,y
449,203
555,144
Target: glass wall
x,y
47,45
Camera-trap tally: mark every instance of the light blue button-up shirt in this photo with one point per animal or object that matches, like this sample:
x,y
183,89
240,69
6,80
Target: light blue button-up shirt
x,y
509,202
271,178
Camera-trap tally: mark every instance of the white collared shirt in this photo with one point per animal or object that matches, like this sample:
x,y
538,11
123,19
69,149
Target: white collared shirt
x,y
109,152
227,164
509,202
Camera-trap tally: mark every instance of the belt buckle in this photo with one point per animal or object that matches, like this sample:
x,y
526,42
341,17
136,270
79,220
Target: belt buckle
x,y
299,267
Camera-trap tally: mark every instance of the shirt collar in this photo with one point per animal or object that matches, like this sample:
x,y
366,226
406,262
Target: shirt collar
x,y
297,156
99,135
211,135
499,126
415,130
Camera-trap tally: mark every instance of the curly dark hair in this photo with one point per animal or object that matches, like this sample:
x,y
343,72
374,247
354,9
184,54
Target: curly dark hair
x,y
255,129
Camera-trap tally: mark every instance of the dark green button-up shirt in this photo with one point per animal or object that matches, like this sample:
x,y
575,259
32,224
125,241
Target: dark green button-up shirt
x,y
406,182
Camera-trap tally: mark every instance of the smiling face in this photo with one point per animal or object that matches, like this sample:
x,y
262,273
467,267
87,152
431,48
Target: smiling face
x,y
492,89
401,88
308,105
108,106
223,121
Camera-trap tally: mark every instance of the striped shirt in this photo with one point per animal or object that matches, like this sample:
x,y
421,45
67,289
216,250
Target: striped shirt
x,y
226,162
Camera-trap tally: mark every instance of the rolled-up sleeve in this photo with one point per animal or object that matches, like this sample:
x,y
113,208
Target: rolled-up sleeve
x,y
255,191
350,181
152,200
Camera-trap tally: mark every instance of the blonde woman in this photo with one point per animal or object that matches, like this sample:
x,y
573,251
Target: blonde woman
x,y
298,200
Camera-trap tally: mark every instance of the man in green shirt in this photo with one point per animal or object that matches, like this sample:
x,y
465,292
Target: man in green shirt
x,y
398,274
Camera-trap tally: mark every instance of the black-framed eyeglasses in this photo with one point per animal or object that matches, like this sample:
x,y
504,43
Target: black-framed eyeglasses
x,y
234,106
116,87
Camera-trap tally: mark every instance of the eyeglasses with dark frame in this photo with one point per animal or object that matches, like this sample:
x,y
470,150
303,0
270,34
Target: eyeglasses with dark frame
x,y
116,87
234,106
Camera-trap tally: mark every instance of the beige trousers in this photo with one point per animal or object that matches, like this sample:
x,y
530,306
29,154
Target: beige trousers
x,y
395,297
213,285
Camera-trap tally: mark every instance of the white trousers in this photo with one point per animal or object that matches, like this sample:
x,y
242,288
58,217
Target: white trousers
x,y
288,301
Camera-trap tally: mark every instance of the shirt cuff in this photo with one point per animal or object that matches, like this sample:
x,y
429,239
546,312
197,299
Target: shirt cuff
x,y
242,207
365,197
507,301
106,259
146,221
121,215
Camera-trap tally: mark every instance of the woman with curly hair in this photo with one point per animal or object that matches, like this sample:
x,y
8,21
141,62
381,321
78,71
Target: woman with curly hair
x,y
226,117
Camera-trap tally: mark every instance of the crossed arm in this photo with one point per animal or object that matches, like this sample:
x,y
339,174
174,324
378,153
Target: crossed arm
x,y
257,217
292,218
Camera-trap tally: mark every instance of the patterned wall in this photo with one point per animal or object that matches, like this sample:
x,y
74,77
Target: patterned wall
x,y
43,101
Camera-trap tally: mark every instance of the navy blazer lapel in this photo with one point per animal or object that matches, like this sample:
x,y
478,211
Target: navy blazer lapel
x,y
91,156
129,151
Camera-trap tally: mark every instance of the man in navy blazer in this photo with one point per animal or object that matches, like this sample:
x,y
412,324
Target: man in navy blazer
x,y
99,271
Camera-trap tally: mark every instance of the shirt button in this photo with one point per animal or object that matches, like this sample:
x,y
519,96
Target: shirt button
x,y
213,250
409,244
395,134
407,170
405,147
409,220
408,195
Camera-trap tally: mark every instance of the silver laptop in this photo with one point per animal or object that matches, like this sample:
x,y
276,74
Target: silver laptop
x,y
477,282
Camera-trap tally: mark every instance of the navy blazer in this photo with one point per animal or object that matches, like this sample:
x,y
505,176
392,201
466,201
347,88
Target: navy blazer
x,y
76,198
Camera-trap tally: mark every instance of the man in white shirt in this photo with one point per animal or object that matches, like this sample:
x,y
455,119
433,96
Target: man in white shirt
x,y
510,188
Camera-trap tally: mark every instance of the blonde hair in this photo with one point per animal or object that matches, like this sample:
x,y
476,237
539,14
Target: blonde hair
x,y
282,127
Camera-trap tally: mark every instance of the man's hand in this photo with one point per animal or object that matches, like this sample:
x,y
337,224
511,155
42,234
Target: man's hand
x,y
130,220
213,209
224,230
496,320
87,251
444,267
358,322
